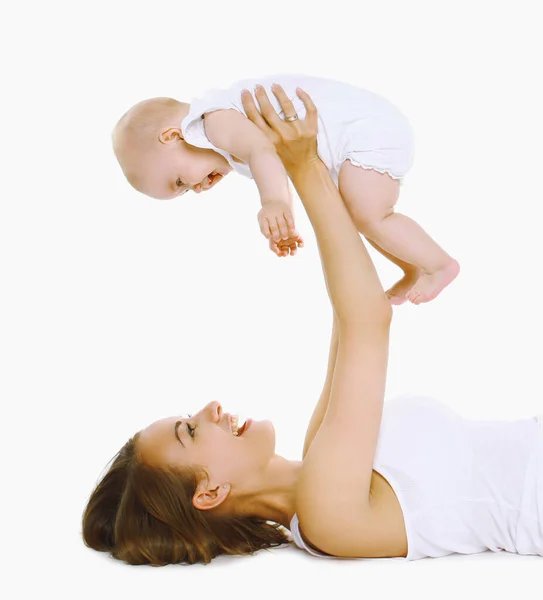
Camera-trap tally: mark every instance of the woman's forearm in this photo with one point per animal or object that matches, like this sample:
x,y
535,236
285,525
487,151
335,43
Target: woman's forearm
x,y
322,405
352,281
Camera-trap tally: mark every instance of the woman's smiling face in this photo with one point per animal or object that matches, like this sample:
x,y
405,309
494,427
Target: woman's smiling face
x,y
207,440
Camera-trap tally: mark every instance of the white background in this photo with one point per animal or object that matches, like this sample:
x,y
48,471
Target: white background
x,y
118,310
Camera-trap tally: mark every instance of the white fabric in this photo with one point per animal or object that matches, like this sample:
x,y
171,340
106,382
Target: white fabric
x,y
464,486
354,124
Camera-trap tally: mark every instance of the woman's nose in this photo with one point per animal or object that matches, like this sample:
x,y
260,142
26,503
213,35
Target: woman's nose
x,y
215,411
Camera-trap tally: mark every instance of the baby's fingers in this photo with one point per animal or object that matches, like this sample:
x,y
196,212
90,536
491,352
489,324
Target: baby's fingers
x,y
274,229
287,215
275,248
264,225
283,227
293,248
295,245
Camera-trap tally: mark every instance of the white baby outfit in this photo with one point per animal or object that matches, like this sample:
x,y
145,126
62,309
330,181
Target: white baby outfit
x,y
354,124
464,486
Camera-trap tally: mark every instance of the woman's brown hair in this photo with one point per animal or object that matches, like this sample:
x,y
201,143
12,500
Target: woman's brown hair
x,y
144,515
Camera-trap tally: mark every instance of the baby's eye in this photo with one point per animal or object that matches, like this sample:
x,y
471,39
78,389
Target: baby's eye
x,y
179,183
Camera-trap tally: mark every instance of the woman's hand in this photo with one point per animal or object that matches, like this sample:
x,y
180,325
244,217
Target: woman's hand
x,y
295,141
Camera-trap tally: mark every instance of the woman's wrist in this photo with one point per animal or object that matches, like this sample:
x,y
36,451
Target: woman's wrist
x,y
304,167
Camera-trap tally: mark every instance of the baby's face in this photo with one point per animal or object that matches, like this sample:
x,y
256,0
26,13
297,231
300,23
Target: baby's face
x,y
170,170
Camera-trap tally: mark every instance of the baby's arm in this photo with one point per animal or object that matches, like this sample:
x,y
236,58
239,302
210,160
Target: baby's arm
x,y
232,132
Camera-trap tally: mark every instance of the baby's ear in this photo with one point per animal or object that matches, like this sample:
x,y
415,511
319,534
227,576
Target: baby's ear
x,y
172,134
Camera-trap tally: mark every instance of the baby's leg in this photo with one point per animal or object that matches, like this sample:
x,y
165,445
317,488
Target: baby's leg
x,y
398,292
370,197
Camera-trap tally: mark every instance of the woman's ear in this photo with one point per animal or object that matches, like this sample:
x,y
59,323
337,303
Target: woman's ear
x,y
170,135
210,496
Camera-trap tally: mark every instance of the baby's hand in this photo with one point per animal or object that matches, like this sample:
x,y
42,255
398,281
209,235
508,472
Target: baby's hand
x,y
276,221
288,246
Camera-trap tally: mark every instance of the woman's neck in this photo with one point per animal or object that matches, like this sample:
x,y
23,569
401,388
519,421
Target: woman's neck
x,y
271,495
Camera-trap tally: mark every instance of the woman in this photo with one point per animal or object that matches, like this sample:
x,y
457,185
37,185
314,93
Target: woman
x,y
406,479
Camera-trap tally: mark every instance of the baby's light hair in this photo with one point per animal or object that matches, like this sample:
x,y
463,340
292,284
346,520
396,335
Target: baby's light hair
x,y
139,125
138,129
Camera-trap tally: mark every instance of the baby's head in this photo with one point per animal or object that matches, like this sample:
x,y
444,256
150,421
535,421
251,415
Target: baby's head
x,y
150,147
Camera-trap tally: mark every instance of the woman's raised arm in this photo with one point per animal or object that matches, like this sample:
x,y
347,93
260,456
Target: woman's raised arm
x,y
353,284
333,495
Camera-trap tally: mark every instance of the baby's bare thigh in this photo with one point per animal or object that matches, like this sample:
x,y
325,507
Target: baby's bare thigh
x,y
368,194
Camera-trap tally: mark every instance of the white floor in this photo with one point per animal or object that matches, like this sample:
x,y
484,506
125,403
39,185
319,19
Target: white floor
x,y
290,573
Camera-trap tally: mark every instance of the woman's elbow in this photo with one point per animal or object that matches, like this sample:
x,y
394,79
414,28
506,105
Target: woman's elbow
x,y
379,316
386,313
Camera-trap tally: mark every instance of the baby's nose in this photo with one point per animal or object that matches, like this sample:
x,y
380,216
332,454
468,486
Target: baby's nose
x,y
198,188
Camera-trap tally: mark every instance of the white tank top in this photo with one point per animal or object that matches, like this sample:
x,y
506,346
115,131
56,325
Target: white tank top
x,y
354,123
464,486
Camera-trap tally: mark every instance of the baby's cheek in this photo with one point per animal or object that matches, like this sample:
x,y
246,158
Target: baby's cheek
x,y
197,170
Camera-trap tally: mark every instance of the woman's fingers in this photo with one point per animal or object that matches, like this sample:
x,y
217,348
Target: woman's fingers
x,y
252,111
294,140
284,100
267,116
266,108
311,109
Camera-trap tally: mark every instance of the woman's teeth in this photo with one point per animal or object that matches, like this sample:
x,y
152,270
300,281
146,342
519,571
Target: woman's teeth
x,y
237,424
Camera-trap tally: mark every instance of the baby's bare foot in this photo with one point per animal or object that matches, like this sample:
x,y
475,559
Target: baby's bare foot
x,y
397,294
429,286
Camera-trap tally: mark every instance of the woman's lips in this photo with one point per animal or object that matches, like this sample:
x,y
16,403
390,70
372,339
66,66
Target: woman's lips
x,y
231,424
246,426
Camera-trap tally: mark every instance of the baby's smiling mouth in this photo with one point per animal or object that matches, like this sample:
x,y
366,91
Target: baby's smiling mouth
x,y
213,178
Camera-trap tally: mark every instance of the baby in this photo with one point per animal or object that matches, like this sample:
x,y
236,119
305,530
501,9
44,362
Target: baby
x,y
166,148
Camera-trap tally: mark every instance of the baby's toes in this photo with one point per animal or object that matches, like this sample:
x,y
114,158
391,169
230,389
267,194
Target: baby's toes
x,y
413,296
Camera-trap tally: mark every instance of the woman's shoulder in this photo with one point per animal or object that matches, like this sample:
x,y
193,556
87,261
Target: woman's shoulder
x,y
379,532
300,541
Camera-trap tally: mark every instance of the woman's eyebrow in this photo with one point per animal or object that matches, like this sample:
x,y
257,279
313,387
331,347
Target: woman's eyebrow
x,y
176,431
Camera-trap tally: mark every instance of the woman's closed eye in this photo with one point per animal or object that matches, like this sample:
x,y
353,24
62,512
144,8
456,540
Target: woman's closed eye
x,y
189,428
